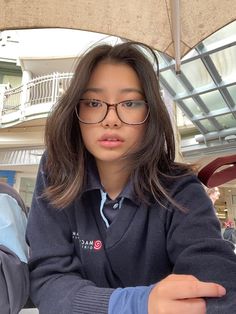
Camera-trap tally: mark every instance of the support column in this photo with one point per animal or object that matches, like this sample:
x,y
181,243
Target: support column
x,y
26,77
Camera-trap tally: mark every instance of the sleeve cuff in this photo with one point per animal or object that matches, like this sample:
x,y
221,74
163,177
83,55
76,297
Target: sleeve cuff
x,y
92,300
132,300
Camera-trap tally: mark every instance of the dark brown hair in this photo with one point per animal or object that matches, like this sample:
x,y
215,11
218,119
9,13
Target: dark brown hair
x,y
66,154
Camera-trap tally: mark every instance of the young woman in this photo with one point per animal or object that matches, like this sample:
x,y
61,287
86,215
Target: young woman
x,y
116,226
14,277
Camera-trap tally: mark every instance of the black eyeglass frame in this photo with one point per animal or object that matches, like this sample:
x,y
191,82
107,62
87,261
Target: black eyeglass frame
x,y
115,106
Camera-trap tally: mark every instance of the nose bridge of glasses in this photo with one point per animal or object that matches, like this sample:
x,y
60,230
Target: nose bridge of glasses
x,y
111,106
108,111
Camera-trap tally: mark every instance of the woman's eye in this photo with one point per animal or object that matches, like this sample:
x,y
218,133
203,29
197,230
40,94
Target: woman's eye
x,y
133,103
129,104
94,104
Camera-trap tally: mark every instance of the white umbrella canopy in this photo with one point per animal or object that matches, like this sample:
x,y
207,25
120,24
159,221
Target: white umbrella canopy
x,y
170,26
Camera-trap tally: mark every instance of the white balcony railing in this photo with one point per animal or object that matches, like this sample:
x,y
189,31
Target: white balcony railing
x,y
33,98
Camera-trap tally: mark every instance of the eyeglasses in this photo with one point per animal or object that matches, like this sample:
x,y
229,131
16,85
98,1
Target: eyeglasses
x,y
91,111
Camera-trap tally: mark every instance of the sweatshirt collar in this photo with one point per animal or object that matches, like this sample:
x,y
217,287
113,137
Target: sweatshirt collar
x,y
94,183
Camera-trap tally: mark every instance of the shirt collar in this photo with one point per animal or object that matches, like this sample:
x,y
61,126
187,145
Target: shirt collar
x,y
93,179
128,192
94,183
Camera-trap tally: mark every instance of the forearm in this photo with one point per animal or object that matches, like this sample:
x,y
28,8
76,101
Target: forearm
x,y
69,293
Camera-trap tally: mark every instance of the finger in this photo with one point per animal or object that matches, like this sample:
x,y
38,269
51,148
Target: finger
x,y
206,289
197,289
192,287
181,287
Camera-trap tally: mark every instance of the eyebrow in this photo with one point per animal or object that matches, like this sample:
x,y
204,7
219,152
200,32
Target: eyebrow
x,y
123,90
130,90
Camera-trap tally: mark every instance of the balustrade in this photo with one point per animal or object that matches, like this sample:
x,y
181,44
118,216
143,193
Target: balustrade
x,y
40,90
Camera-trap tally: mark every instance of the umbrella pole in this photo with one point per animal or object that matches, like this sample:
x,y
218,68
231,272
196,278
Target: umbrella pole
x,y
176,31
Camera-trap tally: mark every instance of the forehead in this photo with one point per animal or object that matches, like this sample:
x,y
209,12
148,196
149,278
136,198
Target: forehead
x,y
108,75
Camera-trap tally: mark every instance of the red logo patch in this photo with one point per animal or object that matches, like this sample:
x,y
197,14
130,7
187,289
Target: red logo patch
x,y
97,245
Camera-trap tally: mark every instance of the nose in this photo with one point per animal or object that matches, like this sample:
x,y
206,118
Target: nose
x,y
111,119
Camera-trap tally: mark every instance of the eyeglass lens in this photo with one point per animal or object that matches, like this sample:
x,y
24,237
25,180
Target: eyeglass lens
x,y
129,112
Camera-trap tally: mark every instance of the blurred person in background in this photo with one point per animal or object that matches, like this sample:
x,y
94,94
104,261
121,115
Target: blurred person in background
x,y
213,193
14,280
230,231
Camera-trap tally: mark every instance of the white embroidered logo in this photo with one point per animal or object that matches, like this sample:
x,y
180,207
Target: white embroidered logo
x,y
95,245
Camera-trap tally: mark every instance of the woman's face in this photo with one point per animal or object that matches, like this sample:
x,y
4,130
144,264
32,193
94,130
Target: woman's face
x,y
111,139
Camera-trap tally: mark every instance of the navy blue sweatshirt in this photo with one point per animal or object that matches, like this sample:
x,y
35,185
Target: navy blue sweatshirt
x,y
76,262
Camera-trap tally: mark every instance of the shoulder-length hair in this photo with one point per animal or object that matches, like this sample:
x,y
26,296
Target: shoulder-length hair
x,y
66,154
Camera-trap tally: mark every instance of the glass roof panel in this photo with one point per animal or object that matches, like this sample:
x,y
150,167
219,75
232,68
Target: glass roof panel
x,y
190,54
225,62
223,36
173,81
196,73
216,57
192,106
232,91
163,59
213,100
182,119
208,125
227,121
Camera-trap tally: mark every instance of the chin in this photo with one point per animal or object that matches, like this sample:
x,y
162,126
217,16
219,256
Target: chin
x,y
109,159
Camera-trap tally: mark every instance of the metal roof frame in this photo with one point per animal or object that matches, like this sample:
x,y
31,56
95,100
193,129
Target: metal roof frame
x,y
205,141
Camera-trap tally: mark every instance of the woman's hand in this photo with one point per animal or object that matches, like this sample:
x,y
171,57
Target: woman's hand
x,y
182,294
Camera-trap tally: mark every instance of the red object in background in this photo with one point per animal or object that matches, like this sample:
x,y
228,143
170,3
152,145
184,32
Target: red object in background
x,y
212,178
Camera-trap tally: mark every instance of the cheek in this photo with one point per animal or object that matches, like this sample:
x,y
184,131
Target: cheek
x,y
87,135
137,134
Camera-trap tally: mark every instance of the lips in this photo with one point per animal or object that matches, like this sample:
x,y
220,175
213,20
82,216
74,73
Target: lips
x,y
110,140
111,137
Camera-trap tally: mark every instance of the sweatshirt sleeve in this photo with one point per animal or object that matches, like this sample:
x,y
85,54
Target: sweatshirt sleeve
x,y
57,283
195,245
14,282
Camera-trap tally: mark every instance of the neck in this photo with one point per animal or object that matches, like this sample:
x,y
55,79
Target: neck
x,y
113,177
